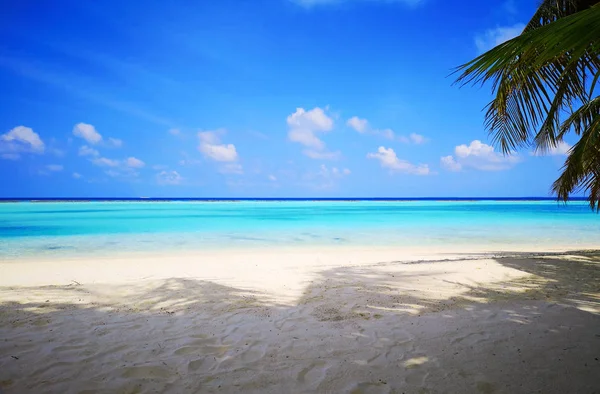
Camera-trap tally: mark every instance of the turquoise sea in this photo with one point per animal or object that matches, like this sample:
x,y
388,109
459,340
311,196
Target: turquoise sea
x,y
103,227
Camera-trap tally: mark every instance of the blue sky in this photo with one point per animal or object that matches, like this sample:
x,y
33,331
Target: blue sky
x,y
263,98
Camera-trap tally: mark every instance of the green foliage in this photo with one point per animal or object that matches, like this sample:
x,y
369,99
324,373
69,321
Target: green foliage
x,y
539,78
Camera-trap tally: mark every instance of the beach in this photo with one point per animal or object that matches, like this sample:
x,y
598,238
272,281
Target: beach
x,y
300,196
299,320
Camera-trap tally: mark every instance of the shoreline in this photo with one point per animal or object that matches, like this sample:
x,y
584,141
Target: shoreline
x,y
400,251
117,267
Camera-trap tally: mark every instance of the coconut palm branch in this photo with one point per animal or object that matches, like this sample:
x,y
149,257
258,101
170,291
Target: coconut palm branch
x,y
545,74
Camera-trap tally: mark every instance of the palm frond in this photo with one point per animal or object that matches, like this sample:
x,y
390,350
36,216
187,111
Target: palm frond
x,y
581,171
573,35
581,119
541,76
536,76
569,88
552,10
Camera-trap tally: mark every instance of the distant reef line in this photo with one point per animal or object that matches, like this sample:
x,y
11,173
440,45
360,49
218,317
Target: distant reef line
x,y
231,199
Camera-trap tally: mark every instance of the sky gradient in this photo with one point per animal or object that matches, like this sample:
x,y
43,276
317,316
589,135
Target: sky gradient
x,y
264,98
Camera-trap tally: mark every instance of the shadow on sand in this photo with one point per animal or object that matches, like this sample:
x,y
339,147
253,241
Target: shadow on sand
x,y
355,329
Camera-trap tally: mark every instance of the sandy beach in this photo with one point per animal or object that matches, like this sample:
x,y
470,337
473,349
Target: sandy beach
x,y
300,321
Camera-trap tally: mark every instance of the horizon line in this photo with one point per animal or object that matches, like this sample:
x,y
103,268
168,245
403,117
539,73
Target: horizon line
x,y
498,198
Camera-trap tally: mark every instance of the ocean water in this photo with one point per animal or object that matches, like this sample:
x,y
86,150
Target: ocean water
x,y
80,228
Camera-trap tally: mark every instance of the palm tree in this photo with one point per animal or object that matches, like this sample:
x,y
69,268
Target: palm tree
x,y
543,81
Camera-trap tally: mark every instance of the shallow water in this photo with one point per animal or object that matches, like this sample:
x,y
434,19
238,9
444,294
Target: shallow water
x,y
74,228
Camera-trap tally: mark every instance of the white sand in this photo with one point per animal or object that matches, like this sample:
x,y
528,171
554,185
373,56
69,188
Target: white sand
x,y
297,321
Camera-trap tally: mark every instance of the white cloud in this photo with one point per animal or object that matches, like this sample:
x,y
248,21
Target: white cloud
x,y
326,178
358,124
211,147
332,172
104,162
386,133
561,149
21,139
272,178
307,138
174,131
450,164
119,168
85,150
134,163
54,167
115,142
303,128
479,156
221,152
322,155
77,175
87,132
413,138
362,126
417,138
10,156
493,37
388,159
168,178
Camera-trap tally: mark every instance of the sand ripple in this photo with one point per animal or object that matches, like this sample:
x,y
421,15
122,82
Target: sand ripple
x,y
377,329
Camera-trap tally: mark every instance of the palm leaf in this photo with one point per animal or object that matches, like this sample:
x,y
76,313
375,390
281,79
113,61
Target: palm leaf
x,y
552,10
542,76
581,171
537,74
